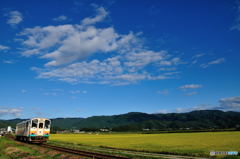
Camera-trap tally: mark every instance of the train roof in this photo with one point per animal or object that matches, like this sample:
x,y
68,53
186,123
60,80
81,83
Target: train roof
x,y
31,119
39,118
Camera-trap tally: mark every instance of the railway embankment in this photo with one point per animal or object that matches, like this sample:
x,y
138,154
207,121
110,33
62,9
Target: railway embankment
x,y
11,149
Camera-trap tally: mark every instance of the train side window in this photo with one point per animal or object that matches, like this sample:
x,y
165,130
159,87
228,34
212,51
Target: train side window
x,y
40,125
34,123
27,125
47,124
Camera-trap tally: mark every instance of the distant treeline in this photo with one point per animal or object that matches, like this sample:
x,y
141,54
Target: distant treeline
x,y
202,120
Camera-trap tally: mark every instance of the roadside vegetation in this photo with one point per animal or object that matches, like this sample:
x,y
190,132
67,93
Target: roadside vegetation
x,y
10,149
191,144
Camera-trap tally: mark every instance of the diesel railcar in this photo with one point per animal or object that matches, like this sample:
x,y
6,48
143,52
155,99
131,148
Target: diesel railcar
x,y
35,130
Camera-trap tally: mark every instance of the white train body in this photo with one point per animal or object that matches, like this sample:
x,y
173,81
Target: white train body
x,y
33,130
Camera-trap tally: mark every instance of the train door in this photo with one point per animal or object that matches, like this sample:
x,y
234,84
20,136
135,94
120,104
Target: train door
x,y
47,128
33,131
40,127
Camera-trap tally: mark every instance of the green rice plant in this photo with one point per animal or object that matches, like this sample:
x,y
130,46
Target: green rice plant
x,y
194,144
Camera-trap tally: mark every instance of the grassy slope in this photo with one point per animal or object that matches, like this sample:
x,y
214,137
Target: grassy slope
x,y
197,144
11,150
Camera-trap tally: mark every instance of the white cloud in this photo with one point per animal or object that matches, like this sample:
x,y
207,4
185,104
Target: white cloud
x,y
72,51
2,47
60,18
225,104
72,42
141,59
214,62
162,111
236,25
196,57
190,86
101,14
109,71
31,52
14,18
230,104
8,61
172,62
7,111
199,107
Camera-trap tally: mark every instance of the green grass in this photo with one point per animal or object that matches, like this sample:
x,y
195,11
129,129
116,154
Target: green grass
x,y
196,144
10,149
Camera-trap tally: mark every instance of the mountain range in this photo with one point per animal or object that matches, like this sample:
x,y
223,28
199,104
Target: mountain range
x,y
135,121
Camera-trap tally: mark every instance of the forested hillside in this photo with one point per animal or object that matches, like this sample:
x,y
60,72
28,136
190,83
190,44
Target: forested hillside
x,y
134,121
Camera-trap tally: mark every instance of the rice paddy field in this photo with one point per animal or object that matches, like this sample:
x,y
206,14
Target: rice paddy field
x,y
196,144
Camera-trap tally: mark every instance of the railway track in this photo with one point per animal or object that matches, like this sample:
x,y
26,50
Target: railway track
x,y
84,153
107,156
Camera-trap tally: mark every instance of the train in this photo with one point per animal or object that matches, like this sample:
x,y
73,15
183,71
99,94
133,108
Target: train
x,y
34,130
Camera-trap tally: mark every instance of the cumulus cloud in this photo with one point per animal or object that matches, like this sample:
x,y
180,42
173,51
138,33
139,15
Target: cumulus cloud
x,y
214,62
2,47
60,18
190,86
109,71
101,14
72,51
7,111
72,42
14,18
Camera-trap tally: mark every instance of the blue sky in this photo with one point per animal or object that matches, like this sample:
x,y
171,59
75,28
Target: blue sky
x,y
74,58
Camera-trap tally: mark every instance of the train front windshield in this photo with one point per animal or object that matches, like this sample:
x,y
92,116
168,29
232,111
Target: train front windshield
x,y
41,124
34,123
47,124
